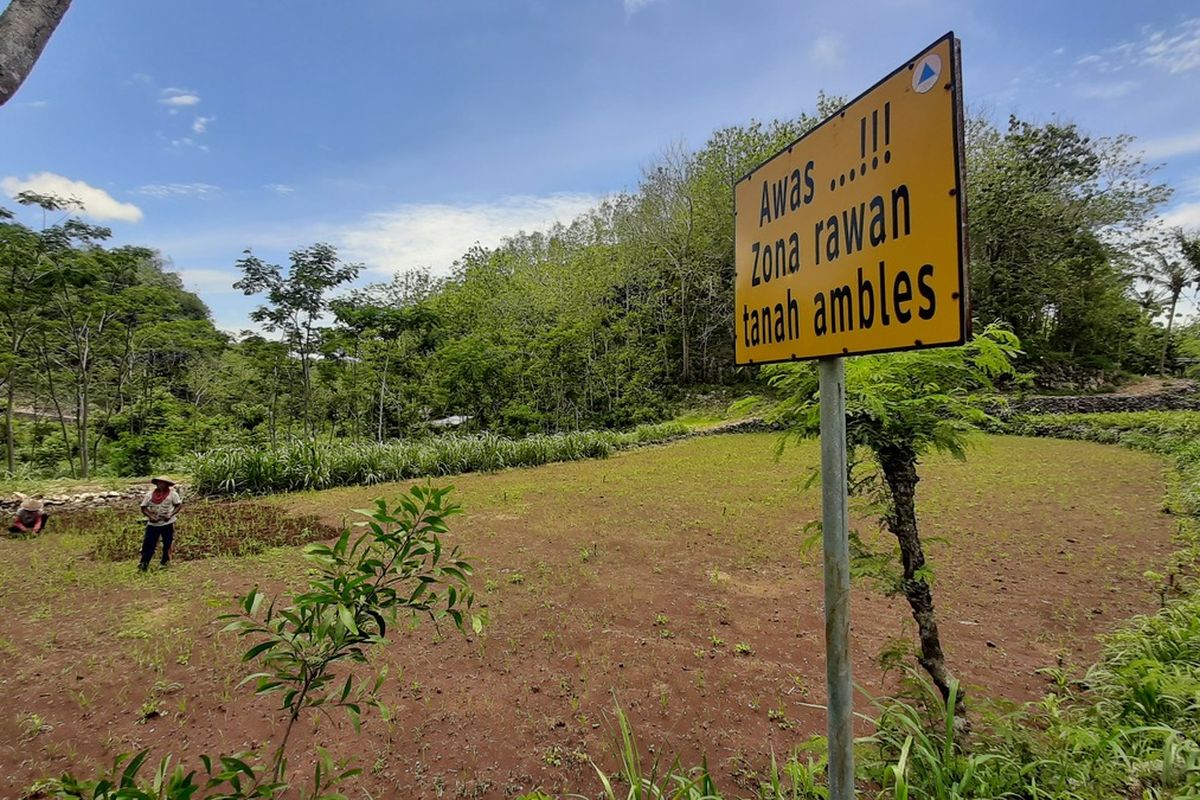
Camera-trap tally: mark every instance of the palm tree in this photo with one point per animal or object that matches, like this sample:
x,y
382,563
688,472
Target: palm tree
x,y
1168,278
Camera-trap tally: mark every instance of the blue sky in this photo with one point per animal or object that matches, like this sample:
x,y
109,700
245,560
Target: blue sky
x,y
403,132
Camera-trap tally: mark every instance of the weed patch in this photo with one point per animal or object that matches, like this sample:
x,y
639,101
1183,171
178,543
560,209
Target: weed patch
x,y
204,530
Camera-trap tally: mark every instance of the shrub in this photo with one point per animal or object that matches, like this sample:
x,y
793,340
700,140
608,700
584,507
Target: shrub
x,y
303,465
205,529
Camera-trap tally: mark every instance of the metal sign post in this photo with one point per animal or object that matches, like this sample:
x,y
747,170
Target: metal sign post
x,y
835,526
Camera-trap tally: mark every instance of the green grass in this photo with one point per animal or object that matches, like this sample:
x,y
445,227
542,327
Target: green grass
x,y
1128,727
1171,433
1166,432
49,487
701,418
298,466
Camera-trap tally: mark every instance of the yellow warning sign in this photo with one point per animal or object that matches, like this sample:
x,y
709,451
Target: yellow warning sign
x,y
850,239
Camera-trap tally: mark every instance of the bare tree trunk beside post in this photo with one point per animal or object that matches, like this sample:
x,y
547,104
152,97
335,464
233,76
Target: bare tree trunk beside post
x,y
900,471
25,28
382,391
81,423
62,419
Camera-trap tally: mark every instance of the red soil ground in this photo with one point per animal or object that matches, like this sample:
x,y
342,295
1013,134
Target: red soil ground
x,y
635,578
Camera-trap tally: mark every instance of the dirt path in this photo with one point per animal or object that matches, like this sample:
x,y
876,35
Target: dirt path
x,y
670,578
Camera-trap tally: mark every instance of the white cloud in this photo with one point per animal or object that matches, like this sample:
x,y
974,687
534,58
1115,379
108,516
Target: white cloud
x,y
1167,147
1175,51
186,143
200,124
1185,215
279,188
179,98
162,190
435,235
826,51
209,281
97,203
1105,90
634,6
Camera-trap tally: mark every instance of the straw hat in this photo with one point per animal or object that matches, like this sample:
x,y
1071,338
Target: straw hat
x,y
163,479
31,504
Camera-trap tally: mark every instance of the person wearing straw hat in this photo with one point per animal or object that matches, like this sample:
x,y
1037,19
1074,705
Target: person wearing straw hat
x,y
160,507
31,518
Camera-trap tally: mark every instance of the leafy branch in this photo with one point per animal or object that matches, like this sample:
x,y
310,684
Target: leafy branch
x,y
362,584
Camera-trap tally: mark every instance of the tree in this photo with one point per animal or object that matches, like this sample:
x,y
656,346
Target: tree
x,y
19,273
25,28
1168,278
1054,219
295,303
899,407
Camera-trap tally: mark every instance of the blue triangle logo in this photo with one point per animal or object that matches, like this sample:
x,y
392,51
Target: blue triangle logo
x,y
927,73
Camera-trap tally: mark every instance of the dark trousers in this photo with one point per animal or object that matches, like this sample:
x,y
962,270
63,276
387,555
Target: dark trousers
x,y
150,541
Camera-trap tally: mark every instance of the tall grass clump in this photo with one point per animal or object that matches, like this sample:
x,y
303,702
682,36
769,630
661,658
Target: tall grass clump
x,y
304,465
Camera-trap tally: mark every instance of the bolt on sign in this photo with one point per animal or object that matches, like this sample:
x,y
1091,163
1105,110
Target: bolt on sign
x,y
850,240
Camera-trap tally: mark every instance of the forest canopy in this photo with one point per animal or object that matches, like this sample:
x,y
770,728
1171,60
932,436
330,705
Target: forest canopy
x,y
612,320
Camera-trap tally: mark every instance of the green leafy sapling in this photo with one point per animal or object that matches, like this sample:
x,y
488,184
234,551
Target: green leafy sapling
x,y
900,406
361,585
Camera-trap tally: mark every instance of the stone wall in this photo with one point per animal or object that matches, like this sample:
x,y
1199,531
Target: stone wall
x,y
752,425
77,501
1181,398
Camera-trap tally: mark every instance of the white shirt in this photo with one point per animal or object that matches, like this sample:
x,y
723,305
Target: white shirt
x,y
163,513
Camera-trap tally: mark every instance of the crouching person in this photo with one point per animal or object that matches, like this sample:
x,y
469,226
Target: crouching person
x,y
160,506
31,518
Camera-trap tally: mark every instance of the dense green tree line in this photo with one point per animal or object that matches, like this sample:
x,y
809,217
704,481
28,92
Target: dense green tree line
x,y
604,322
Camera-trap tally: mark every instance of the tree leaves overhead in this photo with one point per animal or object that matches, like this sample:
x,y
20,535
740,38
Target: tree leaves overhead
x,y
923,399
1057,220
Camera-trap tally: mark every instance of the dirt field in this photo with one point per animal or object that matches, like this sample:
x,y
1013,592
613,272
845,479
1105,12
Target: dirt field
x,y
669,578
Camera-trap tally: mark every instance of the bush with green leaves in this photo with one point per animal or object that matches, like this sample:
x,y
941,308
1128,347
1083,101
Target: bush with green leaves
x,y
1128,727
361,586
304,465
900,406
